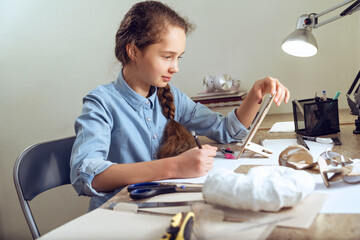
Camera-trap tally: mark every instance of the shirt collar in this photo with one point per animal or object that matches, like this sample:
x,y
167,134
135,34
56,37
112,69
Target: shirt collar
x,y
134,99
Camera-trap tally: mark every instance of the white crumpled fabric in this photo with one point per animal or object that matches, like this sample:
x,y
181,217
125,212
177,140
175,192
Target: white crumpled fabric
x,y
267,188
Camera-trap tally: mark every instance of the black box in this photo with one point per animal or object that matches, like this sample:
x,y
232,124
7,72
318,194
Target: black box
x,y
313,117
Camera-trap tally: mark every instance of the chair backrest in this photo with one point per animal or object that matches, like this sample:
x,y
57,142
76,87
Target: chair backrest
x,y
38,168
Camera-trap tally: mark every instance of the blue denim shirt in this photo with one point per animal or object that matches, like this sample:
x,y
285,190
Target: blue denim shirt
x,y
117,125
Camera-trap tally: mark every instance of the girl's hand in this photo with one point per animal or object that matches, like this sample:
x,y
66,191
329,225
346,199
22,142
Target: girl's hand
x,y
195,162
271,85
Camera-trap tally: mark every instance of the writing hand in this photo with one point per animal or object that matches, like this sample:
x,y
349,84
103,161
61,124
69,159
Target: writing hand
x,y
195,162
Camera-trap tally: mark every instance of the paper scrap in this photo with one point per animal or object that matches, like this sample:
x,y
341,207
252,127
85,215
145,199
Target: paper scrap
x,y
283,127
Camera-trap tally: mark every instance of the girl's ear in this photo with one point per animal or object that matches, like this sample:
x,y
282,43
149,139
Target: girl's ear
x,y
132,51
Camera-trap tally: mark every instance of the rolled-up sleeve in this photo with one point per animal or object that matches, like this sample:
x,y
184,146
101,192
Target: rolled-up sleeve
x,y
235,128
86,173
91,146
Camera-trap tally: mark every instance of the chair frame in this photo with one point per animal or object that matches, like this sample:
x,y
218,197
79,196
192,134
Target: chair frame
x,y
38,168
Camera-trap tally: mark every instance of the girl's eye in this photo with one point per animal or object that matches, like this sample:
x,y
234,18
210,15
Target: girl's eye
x,y
170,57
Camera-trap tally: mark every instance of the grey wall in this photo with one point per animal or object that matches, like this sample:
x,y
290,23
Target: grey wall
x,y
53,52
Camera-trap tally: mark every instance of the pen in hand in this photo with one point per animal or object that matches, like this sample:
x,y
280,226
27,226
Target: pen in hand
x,y
196,139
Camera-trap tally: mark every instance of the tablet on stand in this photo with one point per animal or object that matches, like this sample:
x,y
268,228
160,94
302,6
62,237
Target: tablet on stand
x,y
246,144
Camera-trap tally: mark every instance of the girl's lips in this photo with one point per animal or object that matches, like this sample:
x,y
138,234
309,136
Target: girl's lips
x,y
167,79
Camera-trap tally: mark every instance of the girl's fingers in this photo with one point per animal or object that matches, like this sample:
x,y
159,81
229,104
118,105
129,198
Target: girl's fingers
x,y
274,83
287,96
279,96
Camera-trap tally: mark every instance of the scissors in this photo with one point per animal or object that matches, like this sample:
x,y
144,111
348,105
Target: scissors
x,y
151,189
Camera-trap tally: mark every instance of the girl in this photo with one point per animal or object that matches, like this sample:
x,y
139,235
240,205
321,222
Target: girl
x,y
136,129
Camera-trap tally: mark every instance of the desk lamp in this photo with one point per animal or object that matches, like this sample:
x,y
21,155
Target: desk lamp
x,y
301,42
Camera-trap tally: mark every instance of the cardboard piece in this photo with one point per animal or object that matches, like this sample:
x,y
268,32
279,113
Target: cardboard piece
x,y
246,144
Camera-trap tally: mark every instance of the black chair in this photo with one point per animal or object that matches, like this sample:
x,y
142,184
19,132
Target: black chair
x,y
41,167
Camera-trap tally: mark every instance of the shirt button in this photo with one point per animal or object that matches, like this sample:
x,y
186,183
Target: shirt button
x,y
155,136
148,119
147,102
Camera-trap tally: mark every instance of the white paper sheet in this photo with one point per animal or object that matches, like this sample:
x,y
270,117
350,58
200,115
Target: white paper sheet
x,y
342,197
278,145
220,162
283,127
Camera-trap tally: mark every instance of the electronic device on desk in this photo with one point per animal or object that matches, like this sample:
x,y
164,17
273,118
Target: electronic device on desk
x,y
355,105
221,91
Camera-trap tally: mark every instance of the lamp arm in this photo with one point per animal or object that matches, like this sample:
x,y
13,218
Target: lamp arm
x,y
333,8
353,7
354,105
354,84
327,21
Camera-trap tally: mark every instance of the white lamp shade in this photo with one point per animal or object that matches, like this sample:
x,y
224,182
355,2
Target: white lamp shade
x,y
300,43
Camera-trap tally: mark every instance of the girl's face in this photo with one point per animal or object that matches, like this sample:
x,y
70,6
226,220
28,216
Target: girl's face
x,y
157,63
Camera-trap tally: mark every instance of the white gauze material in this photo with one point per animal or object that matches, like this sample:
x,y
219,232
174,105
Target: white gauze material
x,y
267,188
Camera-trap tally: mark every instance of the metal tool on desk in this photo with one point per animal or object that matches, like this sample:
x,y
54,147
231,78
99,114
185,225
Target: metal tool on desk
x,y
139,206
166,204
143,207
318,139
301,141
151,189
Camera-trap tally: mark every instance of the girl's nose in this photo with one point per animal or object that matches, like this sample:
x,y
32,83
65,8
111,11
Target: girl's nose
x,y
174,68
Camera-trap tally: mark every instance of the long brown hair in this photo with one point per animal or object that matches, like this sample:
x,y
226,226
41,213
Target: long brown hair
x,y
177,139
143,25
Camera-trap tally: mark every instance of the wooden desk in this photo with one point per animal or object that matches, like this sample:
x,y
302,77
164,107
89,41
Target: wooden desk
x,y
325,226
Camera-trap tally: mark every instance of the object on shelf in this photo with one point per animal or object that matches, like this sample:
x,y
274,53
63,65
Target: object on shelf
x,y
220,91
220,83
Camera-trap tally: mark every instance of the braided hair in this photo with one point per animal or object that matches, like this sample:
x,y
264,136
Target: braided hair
x,y
177,139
